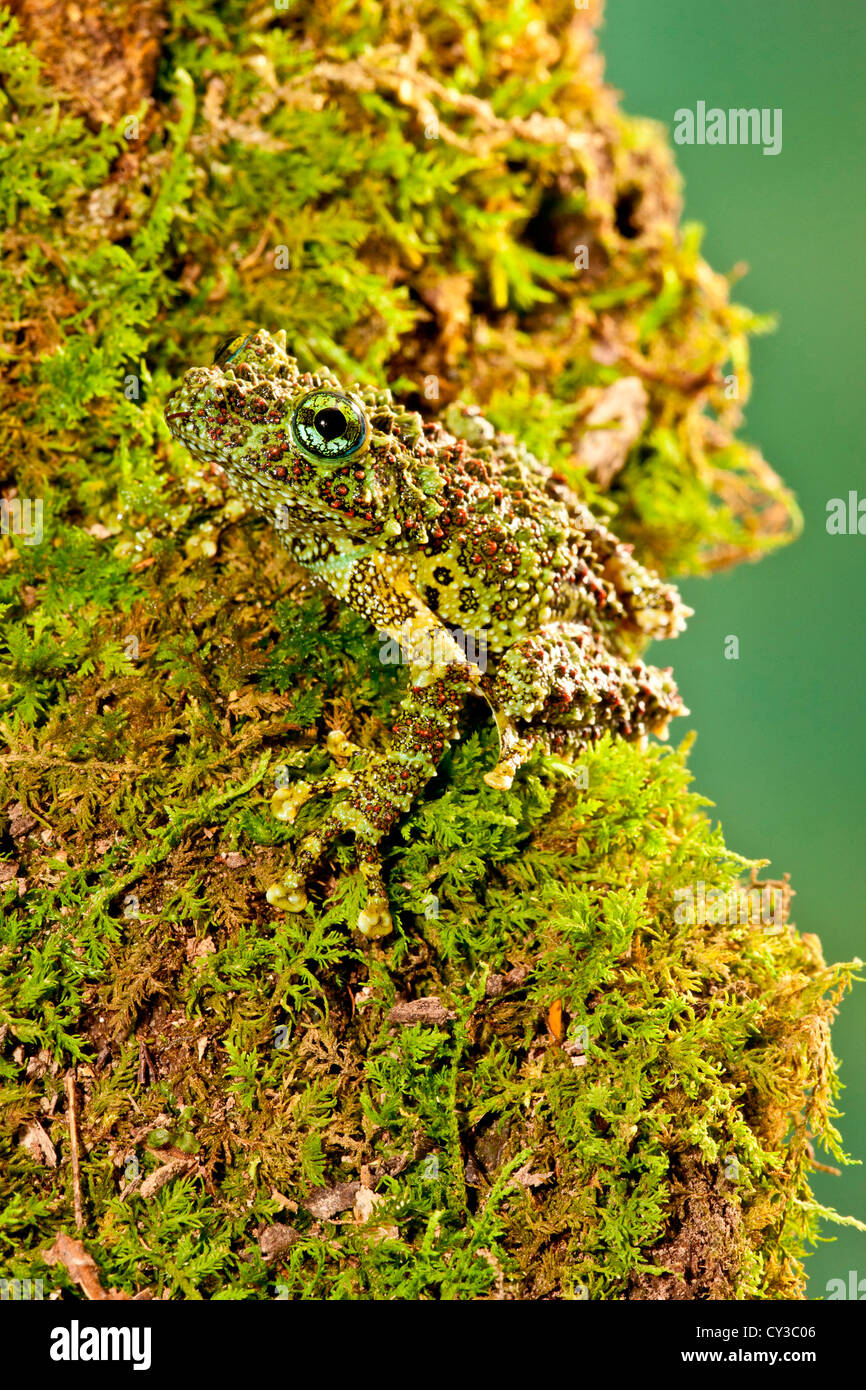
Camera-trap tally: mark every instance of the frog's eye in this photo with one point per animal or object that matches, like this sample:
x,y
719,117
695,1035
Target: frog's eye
x,y
329,425
229,349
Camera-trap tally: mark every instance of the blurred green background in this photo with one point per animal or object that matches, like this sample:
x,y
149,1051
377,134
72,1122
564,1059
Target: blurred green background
x,y
781,747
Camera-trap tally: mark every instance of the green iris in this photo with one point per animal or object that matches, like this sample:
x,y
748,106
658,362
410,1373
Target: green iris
x,y
329,425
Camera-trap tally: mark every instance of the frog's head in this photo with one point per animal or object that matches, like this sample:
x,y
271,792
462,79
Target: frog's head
x,y
300,446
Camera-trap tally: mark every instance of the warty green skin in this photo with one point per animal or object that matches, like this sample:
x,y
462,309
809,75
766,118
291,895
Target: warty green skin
x,y
430,536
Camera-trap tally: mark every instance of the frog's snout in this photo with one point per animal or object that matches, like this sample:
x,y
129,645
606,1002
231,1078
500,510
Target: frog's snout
x,y
175,410
179,406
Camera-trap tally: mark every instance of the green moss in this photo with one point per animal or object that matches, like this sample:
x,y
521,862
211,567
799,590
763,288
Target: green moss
x,y
635,1077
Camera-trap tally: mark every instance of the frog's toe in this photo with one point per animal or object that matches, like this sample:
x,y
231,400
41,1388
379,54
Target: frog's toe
x,y
375,918
515,751
339,746
346,817
288,893
287,801
500,777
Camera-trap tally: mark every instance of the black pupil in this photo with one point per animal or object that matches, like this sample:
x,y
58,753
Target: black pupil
x,y
330,423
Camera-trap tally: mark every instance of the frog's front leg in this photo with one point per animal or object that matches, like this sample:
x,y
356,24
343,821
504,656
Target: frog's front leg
x,y
384,790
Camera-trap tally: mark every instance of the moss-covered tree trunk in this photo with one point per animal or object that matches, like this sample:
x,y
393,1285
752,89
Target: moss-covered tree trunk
x,y
594,1056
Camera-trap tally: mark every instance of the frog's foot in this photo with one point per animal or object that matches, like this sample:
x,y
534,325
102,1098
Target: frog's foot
x,y
339,746
289,894
563,688
375,918
287,801
514,749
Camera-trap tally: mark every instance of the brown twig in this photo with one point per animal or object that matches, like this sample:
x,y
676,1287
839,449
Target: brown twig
x,y
73,1145
145,1064
827,1168
81,1268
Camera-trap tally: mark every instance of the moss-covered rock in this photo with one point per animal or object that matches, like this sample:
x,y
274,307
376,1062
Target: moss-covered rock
x,y
614,1084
